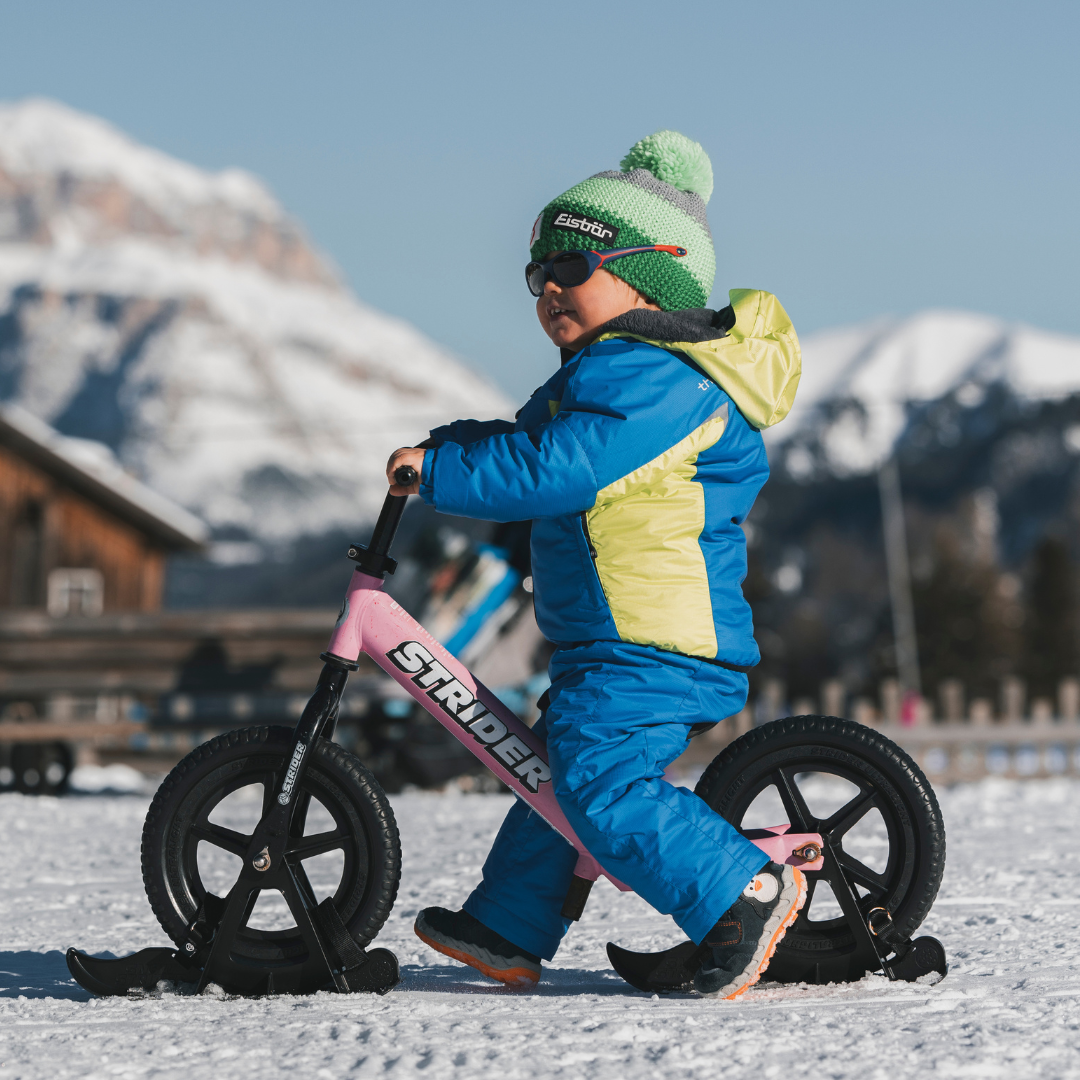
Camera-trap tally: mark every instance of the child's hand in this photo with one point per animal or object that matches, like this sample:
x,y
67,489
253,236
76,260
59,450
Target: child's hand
x,y
407,455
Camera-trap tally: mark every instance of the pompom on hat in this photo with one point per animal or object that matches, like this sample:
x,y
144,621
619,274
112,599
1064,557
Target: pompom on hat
x,y
657,197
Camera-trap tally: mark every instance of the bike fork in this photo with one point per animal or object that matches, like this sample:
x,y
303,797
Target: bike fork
x,y
319,718
265,864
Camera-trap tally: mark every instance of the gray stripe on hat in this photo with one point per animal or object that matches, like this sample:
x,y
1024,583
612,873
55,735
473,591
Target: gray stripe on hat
x,y
687,201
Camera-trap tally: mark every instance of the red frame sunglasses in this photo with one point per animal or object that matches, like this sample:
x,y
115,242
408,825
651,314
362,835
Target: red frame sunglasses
x,y
570,268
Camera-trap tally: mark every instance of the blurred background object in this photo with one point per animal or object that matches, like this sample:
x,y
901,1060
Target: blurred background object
x,y
167,323
195,407
93,671
975,424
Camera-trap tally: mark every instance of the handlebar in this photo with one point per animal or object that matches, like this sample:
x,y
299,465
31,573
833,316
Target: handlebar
x,y
375,558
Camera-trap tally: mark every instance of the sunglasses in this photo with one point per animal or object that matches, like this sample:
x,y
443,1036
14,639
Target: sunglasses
x,y
572,268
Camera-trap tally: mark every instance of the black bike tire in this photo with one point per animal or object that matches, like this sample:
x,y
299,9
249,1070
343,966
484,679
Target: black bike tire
x,y
739,767
380,827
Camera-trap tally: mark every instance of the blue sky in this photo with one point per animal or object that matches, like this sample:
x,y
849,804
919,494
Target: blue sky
x,y
869,158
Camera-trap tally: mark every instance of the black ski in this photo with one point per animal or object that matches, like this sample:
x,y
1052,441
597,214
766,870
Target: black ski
x,y
666,972
142,970
370,971
918,958
672,970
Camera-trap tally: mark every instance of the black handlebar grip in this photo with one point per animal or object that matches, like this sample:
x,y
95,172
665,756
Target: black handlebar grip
x,y
405,475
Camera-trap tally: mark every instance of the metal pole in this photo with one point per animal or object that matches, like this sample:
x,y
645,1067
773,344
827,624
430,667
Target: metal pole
x,y
899,573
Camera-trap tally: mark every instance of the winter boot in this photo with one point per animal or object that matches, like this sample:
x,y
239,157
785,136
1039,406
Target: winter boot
x,y
741,944
459,935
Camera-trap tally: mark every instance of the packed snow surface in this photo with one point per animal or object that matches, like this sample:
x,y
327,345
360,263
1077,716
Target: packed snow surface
x,y
1010,1006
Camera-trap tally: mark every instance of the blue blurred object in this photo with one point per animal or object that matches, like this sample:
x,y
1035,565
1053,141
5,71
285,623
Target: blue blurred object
x,y
491,584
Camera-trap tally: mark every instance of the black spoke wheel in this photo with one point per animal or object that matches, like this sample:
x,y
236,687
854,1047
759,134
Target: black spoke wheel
x,y
789,756
352,816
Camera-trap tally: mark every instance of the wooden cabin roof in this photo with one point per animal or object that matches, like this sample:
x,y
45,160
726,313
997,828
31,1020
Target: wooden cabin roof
x,y
93,472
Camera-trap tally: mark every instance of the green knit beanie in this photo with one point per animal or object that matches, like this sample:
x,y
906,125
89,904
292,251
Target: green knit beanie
x,y
658,197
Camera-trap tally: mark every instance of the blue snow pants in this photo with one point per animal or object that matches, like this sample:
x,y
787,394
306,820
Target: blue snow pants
x,y
619,714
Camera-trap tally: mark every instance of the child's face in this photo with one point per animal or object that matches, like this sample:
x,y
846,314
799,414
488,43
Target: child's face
x,y
571,316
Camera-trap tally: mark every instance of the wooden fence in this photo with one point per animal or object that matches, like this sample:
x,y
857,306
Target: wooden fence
x,y
948,750
118,681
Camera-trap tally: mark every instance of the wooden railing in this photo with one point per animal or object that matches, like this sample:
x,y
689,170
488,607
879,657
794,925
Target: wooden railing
x,y
962,750
948,751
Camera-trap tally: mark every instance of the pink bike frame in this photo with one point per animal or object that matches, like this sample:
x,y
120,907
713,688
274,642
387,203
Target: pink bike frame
x,y
372,623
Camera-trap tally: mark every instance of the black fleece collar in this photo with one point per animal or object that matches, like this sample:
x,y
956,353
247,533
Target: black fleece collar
x,y
693,324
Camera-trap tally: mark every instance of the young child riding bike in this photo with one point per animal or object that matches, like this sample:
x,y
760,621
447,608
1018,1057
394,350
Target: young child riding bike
x,y
637,462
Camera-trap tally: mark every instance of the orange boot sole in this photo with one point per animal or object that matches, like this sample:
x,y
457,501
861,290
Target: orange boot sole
x,y
519,978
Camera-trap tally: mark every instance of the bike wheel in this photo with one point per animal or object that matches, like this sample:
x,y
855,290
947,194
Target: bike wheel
x,y
873,806
194,840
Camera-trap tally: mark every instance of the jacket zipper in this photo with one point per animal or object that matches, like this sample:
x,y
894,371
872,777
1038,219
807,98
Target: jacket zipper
x,y
588,538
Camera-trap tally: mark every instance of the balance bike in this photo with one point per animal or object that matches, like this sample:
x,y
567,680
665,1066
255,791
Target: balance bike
x,y
316,798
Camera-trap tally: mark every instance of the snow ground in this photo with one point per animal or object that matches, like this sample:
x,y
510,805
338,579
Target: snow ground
x,y
1010,1006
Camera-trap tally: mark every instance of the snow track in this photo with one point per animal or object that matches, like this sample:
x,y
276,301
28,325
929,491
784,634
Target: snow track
x,y
1007,915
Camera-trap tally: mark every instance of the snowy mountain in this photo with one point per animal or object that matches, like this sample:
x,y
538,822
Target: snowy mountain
x,y
984,421
859,383
183,319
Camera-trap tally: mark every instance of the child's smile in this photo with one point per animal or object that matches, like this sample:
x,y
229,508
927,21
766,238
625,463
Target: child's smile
x,y
559,314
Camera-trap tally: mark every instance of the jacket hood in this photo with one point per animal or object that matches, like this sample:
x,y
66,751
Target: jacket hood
x,y
749,349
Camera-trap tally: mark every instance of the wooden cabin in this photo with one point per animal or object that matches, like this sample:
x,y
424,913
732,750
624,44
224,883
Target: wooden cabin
x,y
79,535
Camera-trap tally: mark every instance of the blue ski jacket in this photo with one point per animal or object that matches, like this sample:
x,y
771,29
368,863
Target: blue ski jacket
x,y
637,461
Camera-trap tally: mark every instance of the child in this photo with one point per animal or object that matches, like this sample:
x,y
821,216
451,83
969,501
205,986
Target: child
x,y
637,461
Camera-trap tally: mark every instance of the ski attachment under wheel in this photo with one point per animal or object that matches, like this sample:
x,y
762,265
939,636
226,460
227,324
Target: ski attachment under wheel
x,y
373,971
335,961
667,972
143,970
672,970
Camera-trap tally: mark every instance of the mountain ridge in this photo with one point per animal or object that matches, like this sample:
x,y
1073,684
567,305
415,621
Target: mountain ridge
x,y
860,382
182,318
